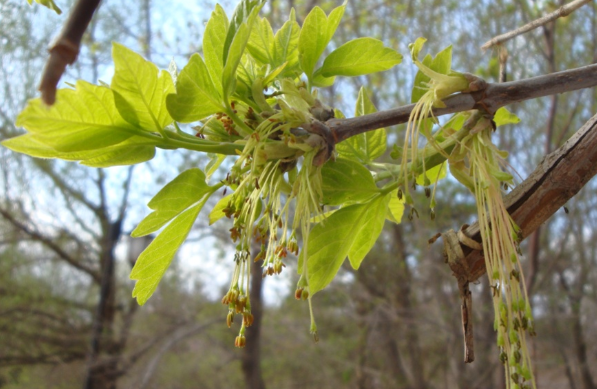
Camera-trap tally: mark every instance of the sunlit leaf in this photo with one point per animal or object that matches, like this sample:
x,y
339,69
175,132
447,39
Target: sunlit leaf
x,y
346,181
196,96
503,117
360,56
395,208
213,45
82,119
316,33
133,150
155,260
286,44
367,146
143,87
261,41
351,231
218,211
434,174
179,194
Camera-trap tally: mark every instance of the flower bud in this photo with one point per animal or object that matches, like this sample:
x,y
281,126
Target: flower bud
x,y
305,295
240,341
247,319
298,293
229,319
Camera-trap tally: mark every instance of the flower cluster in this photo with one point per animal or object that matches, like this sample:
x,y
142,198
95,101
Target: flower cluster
x,y
266,179
479,165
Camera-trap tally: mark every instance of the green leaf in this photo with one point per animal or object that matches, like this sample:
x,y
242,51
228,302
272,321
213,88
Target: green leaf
x,y
196,96
179,194
215,162
82,119
133,150
320,81
286,44
235,54
239,32
243,12
441,63
360,56
395,208
218,212
315,35
47,3
434,174
367,146
345,181
261,41
351,231
503,117
142,87
371,225
153,262
123,154
213,45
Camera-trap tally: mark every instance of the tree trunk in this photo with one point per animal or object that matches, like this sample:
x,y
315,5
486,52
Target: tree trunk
x,y
251,358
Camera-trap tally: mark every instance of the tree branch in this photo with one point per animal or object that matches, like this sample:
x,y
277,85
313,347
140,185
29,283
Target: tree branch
x,y
490,99
556,180
564,10
50,244
66,48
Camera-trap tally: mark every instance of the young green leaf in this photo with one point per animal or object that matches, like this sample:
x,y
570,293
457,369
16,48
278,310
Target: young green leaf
x,y
286,44
350,231
261,41
315,35
360,56
133,150
345,181
245,10
367,146
213,45
441,63
179,194
153,262
215,162
395,208
320,81
436,173
82,119
123,154
218,211
371,224
196,96
141,90
237,48
503,117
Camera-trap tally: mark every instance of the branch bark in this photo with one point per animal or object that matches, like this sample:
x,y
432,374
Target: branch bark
x,y
490,100
557,179
66,48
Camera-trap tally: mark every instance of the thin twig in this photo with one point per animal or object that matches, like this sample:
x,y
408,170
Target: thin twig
x,y
564,10
66,48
